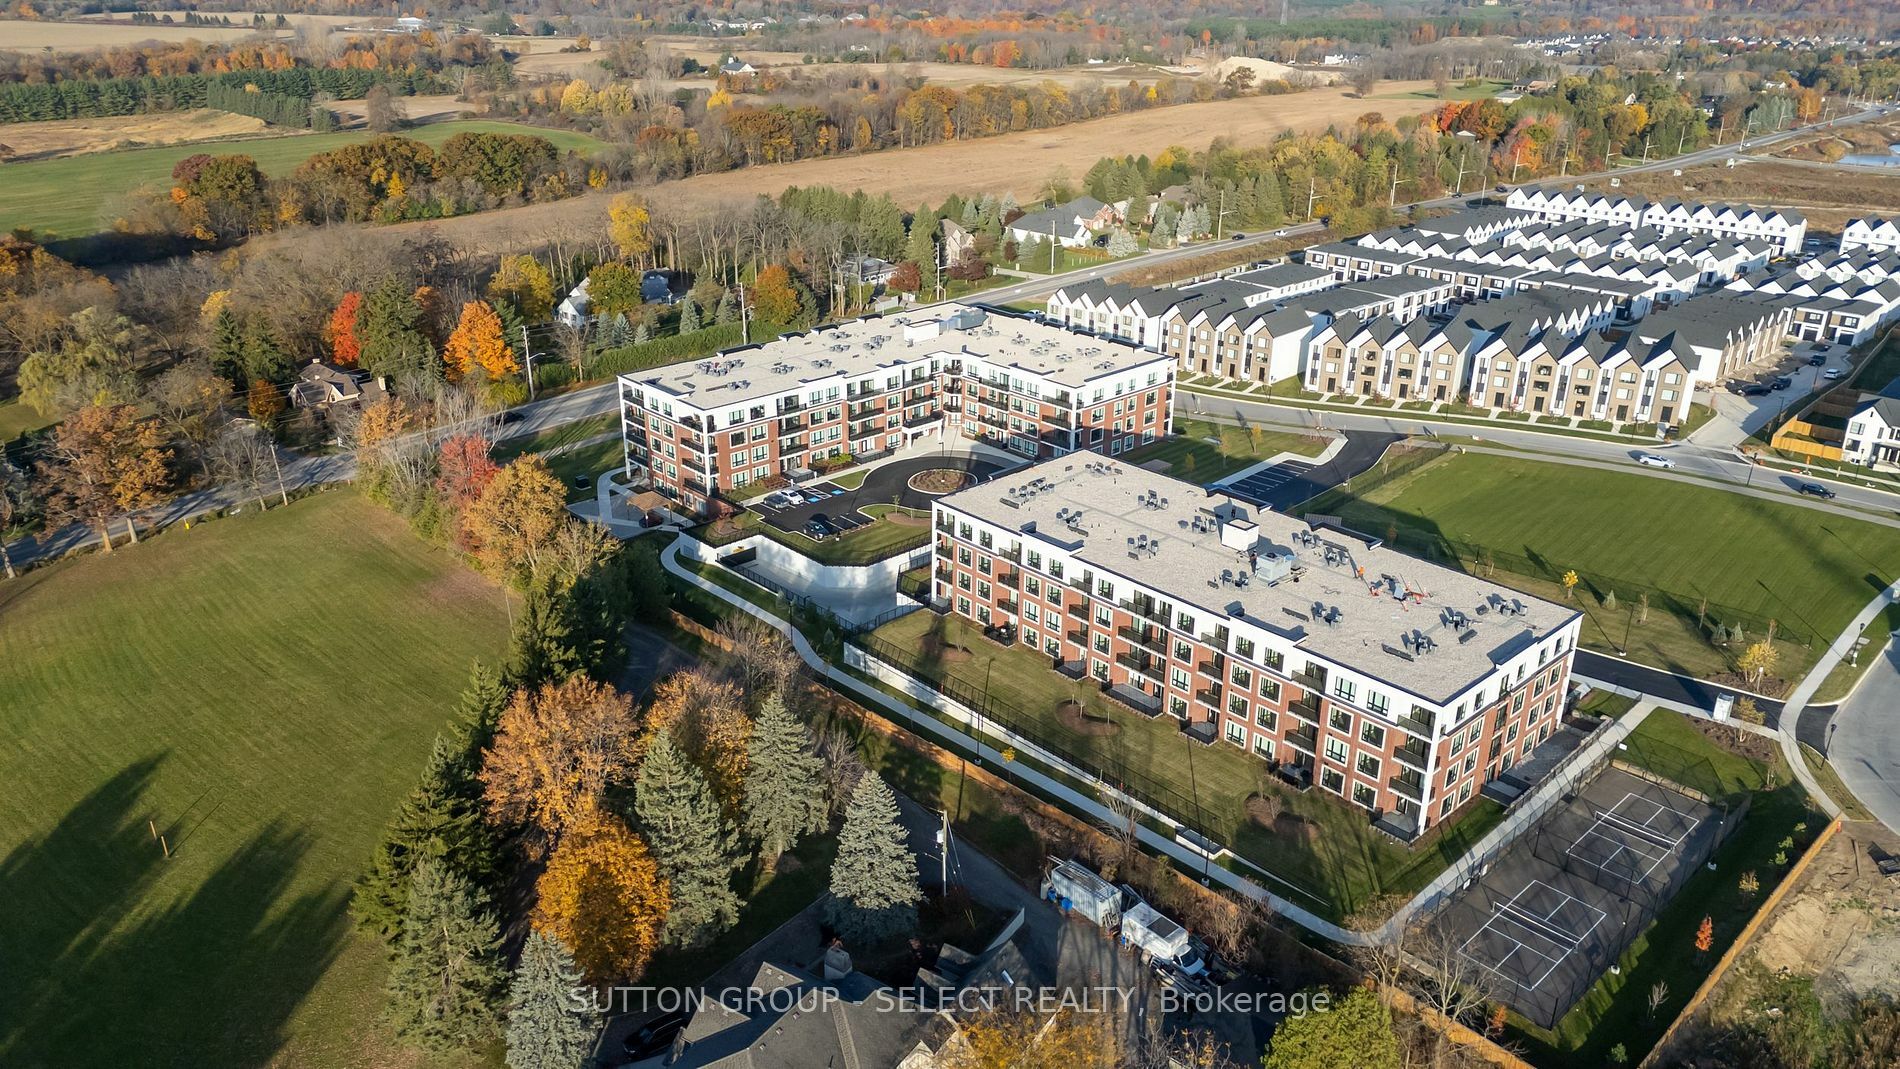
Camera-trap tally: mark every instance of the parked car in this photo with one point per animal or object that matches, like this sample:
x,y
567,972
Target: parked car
x,y
1832,373
1651,460
1754,389
1817,490
1817,359
1781,382
654,1037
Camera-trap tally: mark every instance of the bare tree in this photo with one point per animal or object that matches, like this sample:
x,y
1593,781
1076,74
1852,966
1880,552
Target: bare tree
x,y
843,767
241,457
1452,983
1365,75
382,113
759,657
18,507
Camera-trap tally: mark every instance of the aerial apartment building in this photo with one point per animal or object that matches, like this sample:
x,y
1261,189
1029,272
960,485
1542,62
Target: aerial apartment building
x,y
872,386
1871,234
1396,684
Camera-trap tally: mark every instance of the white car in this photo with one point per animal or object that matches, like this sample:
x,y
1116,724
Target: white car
x,y
1651,460
1832,373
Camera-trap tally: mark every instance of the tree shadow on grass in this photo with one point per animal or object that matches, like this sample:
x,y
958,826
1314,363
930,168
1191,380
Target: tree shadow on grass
x,y
212,979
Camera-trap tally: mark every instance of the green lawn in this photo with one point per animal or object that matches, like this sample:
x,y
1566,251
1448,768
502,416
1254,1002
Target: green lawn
x,y
1616,1010
77,196
1880,368
17,418
555,437
1486,88
1192,456
1326,856
1754,560
264,688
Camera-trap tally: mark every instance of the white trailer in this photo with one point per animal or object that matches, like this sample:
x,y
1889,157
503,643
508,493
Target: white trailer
x,y
1151,932
1074,887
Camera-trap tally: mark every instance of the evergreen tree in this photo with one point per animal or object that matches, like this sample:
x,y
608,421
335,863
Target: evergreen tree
x,y
263,359
874,879
692,842
921,247
1122,243
447,974
1167,222
390,330
641,335
1271,210
440,822
785,792
689,315
725,312
483,700
227,345
551,1016
541,649
1184,230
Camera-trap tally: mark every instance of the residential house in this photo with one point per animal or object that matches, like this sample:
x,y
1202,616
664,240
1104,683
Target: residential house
x,y
1072,224
1873,431
321,385
1871,234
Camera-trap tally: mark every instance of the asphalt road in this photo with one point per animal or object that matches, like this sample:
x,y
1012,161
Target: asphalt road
x,y
1861,741
1682,689
1725,467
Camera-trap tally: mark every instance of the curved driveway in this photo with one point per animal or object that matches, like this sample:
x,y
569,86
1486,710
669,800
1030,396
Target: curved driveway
x,y
1862,741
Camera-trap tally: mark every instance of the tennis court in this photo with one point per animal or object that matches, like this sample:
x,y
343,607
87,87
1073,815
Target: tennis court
x,y
1558,907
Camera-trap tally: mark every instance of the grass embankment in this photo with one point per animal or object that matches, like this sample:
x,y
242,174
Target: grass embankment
x,y
1323,852
77,196
1616,1011
1192,454
892,530
263,688
1809,570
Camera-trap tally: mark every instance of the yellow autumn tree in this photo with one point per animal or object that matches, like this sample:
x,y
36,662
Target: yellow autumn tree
x,y
629,224
477,342
578,98
524,281
1005,1037
557,749
603,897
516,523
707,718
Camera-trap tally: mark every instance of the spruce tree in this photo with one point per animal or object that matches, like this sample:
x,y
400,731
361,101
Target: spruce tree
x,y
1268,203
724,312
227,345
440,821
541,647
921,246
874,891
1122,243
694,845
447,975
785,791
689,315
389,328
551,1015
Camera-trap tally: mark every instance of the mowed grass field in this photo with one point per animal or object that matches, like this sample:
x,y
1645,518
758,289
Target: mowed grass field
x,y
264,688
1191,454
1807,569
77,196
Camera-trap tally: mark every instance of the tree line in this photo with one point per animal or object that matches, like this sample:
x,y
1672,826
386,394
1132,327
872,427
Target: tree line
x,y
91,98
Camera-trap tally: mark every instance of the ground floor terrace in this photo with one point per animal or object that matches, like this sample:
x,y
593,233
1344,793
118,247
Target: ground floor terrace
x,y
1317,848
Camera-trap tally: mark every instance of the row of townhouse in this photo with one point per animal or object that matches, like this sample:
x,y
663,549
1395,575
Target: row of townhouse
x,y
1543,352
1715,259
1783,228
1652,281
1830,306
868,387
1397,685
1252,327
1871,234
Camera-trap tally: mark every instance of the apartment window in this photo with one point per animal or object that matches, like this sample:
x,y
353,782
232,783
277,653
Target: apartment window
x,y
963,606
1185,623
1104,616
1340,720
1344,689
1101,643
1265,717
1236,734
1178,677
1372,735
1368,766
1242,678
1178,706
1332,781
1237,705
1244,647
1273,659
1182,651
1269,690
1377,702
1365,795
1033,586
1336,751
1263,746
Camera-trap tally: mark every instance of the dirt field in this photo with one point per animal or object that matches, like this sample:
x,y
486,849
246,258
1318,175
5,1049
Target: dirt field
x,y
710,52
416,109
1021,163
75,137
1840,925
1828,196
1829,145
79,36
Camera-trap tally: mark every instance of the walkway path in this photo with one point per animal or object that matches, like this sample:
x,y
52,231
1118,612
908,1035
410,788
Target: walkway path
x,y
1520,817
1858,746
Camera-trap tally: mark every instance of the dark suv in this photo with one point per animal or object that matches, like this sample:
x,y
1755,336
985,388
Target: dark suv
x,y
1816,490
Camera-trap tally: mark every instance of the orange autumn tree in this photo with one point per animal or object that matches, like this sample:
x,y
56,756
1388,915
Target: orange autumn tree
x,y
105,461
1705,935
557,749
774,298
603,897
477,342
340,331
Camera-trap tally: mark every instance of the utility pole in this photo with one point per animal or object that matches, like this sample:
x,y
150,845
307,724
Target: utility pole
x,y
1517,161
745,322
527,358
1645,148
1463,159
943,853
282,491
1222,214
1312,194
1052,246
1392,199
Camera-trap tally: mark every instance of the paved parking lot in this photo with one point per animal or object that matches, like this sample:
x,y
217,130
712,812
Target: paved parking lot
x,y
1259,486
1737,415
885,485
